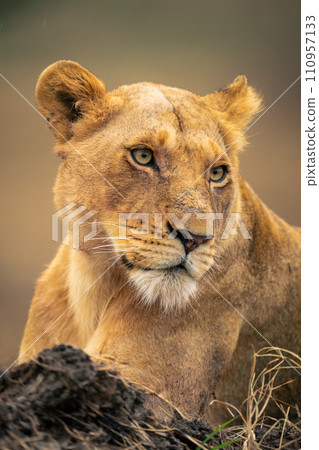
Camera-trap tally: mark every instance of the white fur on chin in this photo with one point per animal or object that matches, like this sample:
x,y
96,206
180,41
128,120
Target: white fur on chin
x,y
173,290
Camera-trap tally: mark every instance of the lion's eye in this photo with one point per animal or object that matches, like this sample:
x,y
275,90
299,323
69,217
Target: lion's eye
x,y
142,156
217,174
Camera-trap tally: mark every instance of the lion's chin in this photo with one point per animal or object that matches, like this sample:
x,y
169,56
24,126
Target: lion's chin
x,y
172,289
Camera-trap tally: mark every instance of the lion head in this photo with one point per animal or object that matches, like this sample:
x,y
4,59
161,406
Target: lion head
x,y
159,166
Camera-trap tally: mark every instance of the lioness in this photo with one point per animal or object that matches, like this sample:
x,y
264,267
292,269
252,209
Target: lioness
x,y
178,301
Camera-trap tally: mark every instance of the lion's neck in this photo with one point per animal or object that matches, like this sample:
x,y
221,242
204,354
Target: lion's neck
x,y
92,286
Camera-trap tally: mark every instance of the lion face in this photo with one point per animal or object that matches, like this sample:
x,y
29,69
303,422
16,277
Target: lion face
x,y
157,164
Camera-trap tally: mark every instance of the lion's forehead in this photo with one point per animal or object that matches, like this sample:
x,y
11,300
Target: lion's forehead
x,y
158,92
145,101
148,94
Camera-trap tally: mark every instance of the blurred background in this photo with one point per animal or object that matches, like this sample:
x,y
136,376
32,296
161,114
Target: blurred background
x,y
198,45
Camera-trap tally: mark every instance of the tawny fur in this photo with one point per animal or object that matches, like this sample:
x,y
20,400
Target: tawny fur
x,y
169,330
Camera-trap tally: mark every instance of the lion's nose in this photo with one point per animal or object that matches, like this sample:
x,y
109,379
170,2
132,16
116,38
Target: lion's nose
x,y
189,240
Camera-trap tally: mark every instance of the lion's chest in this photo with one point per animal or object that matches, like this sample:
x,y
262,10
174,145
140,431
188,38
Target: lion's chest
x,y
176,359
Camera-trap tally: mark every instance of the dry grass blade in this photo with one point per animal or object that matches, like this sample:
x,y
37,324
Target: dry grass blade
x,y
261,389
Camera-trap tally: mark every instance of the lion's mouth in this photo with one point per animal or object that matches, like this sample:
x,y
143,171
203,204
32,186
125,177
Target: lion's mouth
x,y
172,269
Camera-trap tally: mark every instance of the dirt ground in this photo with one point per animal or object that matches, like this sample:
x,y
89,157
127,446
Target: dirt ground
x,y
63,401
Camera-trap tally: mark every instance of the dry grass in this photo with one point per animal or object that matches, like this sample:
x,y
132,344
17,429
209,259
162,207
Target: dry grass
x,y
262,390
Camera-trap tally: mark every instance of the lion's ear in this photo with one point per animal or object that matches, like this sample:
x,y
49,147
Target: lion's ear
x,y
235,106
67,93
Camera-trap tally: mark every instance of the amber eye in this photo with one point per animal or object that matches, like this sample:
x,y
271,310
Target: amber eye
x,y
142,156
217,174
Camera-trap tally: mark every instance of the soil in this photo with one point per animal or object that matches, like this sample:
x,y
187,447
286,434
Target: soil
x,y
63,401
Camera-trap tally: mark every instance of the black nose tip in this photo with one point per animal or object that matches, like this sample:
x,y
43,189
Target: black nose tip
x,y
189,240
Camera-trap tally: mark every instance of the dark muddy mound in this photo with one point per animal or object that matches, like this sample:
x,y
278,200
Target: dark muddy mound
x,y
63,401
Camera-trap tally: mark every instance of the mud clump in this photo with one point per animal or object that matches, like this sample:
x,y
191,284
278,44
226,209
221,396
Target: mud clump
x,y
63,401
